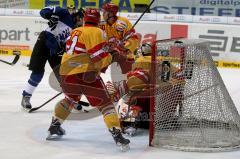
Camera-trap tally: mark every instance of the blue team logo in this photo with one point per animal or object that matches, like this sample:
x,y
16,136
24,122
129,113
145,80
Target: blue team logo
x,y
63,36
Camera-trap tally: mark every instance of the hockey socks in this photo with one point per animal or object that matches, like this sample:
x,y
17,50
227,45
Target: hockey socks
x,y
62,110
110,116
35,79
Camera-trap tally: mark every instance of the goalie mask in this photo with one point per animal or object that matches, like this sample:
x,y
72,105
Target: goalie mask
x,y
146,49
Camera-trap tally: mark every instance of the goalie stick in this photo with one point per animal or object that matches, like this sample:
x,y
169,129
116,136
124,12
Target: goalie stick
x,y
36,108
15,60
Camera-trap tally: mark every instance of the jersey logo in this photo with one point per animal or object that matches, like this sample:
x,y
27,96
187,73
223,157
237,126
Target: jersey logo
x,y
121,26
64,35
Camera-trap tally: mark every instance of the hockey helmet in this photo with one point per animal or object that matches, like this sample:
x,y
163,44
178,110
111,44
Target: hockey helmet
x,y
91,15
146,49
71,7
110,7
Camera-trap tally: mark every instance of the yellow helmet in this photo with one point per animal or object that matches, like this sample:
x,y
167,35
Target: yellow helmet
x,y
71,6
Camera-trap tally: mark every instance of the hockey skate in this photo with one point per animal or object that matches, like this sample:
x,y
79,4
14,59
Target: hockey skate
x,y
119,139
26,103
55,130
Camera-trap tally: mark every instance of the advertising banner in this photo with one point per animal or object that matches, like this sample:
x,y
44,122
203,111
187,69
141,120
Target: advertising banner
x,y
14,4
228,8
198,7
20,33
224,40
124,5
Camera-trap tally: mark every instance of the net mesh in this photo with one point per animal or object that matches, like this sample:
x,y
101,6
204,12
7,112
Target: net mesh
x,y
193,110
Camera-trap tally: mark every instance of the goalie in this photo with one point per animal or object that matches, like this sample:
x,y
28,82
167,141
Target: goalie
x,y
133,108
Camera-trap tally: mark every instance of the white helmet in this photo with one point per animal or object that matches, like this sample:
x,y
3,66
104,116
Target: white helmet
x,y
146,49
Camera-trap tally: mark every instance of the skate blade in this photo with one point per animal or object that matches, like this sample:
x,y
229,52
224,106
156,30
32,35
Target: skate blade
x,y
53,137
26,109
124,148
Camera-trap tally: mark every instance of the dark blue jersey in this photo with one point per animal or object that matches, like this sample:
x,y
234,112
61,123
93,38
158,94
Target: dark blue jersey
x,y
54,38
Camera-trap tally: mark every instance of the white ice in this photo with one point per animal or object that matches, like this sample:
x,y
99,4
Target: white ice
x,y
22,135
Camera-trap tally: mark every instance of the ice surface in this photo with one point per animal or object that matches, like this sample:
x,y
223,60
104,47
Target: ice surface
x,y
22,135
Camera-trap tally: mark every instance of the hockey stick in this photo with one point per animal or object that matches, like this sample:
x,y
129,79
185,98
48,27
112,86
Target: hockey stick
x,y
36,108
15,60
128,36
143,14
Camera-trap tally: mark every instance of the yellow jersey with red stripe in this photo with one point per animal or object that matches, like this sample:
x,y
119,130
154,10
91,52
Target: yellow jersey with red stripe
x,y
121,29
84,51
139,77
142,62
145,63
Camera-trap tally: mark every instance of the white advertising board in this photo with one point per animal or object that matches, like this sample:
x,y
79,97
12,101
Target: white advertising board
x,y
20,30
13,3
224,39
198,7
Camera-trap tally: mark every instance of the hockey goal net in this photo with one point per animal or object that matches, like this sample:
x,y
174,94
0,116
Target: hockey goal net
x,y
191,109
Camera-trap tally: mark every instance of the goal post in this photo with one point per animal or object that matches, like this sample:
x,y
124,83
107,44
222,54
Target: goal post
x,y
191,109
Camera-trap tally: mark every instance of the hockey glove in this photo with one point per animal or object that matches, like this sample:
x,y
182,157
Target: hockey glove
x,y
53,21
114,44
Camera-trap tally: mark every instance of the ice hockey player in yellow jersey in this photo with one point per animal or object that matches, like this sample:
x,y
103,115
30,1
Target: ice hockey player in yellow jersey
x,y
80,72
121,34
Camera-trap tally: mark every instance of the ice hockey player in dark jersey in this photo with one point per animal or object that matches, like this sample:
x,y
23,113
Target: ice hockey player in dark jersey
x,y
77,15
48,47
